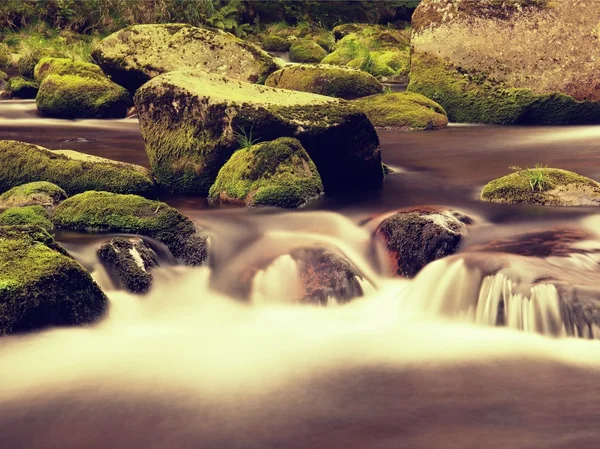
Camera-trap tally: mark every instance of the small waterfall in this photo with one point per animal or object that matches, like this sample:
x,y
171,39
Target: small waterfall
x,y
278,283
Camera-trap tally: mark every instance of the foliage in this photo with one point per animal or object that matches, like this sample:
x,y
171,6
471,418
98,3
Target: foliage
x,y
244,139
536,177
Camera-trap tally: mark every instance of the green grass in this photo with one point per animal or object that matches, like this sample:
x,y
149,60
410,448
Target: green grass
x,y
245,140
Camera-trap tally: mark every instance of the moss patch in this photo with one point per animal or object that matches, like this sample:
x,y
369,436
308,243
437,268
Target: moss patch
x,y
326,80
278,173
40,286
275,43
21,163
63,66
403,110
558,188
132,214
306,50
28,215
40,193
22,88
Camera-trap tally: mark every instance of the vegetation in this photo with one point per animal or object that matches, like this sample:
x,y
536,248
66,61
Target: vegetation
x,y
64,66
109,212
21,88
306,50
327,80
22,163
278,173
245,140
28,215
39,193
40,286
403,110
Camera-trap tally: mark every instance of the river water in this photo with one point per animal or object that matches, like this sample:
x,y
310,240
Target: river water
x,y
413,364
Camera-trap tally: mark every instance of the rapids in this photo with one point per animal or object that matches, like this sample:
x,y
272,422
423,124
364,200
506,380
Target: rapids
x,y
477,351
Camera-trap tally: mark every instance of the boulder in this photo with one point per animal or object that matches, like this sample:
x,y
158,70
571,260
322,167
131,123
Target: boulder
x,y
272,42
278,173
22,88
40,193
137,54
27,215
307,50
381,51
403,110
543,186
508,62
22,163
332,81
132,214
40,286
415,237
64,66
192,121
129,262
75,96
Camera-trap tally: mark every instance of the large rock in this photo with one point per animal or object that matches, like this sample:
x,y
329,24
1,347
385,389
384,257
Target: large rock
x,y
333,81
63,66
139,53
403,110
40,193
544,186
508,61
416,237
307,50
22,163
129,262
191,123
41,286
132,214
278,173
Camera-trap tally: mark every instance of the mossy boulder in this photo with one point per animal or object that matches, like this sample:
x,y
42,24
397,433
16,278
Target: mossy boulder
x,y
20,87
132,214
129,262
64,66
22,163
415,237
191,123
333,81
307,50
40,193
137,54
403,110
508,62
278,173
383,52
343,30
543,186
272,42
40,286
28,215
74,96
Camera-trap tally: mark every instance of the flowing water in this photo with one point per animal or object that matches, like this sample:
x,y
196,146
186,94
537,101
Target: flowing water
x,y
479,350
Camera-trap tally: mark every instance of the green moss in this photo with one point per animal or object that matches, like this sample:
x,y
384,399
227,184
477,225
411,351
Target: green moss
x,y
473,98
405,110
278,173
559,187
28,62
3,77
306,50
325,80
28,215
22,88
21,163
40,286
64,66
40,193
132,214
5,56
275,43
73,96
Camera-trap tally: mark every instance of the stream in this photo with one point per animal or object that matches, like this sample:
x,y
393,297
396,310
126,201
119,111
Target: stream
x,y
422,363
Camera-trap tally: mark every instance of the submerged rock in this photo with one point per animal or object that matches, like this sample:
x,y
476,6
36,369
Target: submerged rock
x,y
40,193
307,50
40,286
22,88
543,186
416,237
137,54
28,215
278,173
403,110
192,122
132,214
129,261
22,163
323,79
508,61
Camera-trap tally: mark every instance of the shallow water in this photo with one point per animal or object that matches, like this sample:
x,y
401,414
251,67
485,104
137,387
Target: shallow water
x,y
413,364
